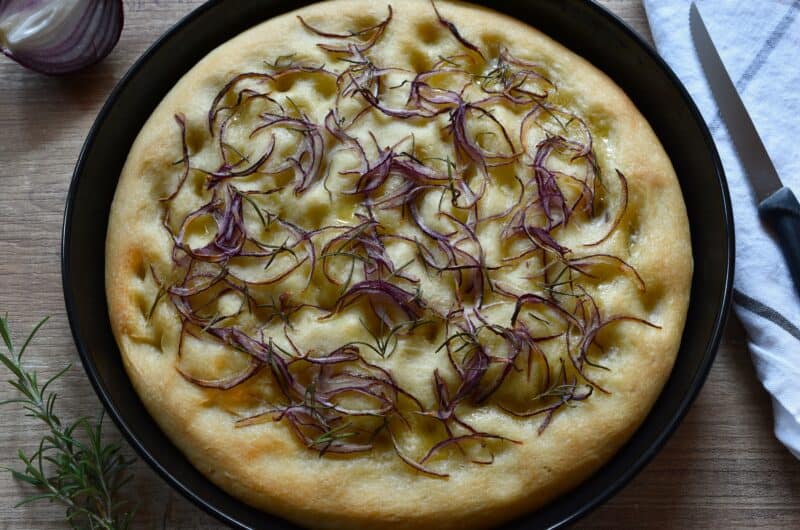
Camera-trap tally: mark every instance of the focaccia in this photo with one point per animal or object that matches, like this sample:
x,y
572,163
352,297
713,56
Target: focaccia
x,y
393,266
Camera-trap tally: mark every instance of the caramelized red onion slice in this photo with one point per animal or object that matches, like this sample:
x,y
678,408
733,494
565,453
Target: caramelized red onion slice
x,y
551,198
382,292
512,75
180,119
541,238
473,368
227,172
373,34
577,147
620,210
435,100
530,298
404,114
315,429
226,383
469,147
258,77
389,162
519,342
307,158
215,108
376,174
333,126
362,74
245,96
59,37
565,391
454,30
411,462
362,242
231,233
587,262
456,440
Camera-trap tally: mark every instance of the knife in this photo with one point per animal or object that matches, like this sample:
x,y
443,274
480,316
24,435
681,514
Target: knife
x,y
777,205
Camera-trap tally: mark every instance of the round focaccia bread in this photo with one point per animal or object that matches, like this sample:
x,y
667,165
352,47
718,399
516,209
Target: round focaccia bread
x,y
396,266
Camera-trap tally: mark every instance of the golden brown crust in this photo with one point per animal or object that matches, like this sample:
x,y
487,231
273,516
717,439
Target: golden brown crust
x,y
264,464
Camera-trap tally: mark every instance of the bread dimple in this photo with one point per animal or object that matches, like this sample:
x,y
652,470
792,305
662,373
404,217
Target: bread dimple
x,y
264,464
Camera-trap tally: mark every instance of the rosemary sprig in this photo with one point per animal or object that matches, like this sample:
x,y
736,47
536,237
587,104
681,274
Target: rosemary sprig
x,y
84,472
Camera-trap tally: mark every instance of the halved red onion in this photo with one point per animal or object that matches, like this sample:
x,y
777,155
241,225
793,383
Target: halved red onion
x,y
61,37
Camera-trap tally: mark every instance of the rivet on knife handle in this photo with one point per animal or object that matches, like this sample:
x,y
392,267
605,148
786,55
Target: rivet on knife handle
x,y
782,211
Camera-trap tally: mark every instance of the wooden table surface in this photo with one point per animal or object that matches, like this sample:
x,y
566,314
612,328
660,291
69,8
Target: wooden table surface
x,y
722,468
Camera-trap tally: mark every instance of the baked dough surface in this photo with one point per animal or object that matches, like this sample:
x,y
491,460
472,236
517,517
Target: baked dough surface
x,y
263,462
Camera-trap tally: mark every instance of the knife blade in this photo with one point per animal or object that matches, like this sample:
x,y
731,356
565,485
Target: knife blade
x,y
777,204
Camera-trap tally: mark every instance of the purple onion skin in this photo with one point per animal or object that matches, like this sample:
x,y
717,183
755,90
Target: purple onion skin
x,y
97,32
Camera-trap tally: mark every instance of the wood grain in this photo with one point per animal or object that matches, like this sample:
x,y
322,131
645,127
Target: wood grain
x,y
723,468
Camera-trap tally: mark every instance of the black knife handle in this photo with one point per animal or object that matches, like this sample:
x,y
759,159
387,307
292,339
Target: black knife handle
x,y
782,210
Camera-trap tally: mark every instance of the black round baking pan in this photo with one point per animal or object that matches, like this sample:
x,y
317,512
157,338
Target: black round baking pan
x,y
582,26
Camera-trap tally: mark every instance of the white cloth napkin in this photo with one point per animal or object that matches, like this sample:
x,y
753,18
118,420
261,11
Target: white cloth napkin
x,y
760,45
